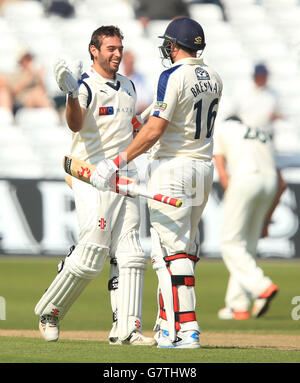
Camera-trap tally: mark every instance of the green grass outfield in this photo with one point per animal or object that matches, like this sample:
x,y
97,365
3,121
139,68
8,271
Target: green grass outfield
x,y
23,280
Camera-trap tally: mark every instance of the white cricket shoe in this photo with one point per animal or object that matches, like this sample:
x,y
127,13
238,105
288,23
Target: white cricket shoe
x,y
185,339
135,339
49,327
162,339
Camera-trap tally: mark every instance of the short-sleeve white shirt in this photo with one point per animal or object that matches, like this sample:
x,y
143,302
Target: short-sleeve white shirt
x,y
245,149
188,96
107,127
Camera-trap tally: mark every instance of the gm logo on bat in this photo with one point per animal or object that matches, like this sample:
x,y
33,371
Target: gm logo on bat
x,y
2,308
83,170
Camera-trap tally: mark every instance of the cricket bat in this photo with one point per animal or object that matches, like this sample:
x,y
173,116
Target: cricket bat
x,y
83,170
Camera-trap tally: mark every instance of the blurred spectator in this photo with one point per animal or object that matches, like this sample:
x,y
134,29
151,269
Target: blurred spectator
x,y
258,104
62,8
3,2
146,10
25,87
144,95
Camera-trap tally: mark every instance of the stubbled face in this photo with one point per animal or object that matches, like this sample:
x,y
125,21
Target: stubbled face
x,y
107,60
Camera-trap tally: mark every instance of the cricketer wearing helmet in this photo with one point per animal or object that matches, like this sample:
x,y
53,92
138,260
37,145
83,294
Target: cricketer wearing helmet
x,y
99,112
179,132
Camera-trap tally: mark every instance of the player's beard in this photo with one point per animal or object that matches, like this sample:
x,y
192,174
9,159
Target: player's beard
x,y
108,66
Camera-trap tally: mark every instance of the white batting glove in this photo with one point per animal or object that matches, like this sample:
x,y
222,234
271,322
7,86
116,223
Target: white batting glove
x,y
67,79
102,177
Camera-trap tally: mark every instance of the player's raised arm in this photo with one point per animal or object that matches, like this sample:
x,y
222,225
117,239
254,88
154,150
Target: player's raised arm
x,y
74,114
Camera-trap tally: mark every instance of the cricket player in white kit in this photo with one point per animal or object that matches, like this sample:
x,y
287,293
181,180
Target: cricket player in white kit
x,y
257,103
180,133
245,162
100,112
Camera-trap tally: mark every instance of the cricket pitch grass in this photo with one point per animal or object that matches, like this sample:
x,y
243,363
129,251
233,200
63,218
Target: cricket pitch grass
x,y
274,338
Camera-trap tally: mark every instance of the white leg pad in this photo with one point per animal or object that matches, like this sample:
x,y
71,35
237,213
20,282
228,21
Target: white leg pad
x,y
84,264
132,267
130,301
164,282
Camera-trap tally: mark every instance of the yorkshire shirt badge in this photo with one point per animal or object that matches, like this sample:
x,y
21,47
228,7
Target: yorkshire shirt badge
x,y
201,74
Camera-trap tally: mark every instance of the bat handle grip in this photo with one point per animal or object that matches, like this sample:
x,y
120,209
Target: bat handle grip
x,y
127,190
168,200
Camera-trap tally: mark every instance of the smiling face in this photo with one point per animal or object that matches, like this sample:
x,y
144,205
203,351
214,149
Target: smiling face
x,y
107,59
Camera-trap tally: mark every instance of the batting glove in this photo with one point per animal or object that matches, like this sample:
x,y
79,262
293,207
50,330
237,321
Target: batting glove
x,y
103,177
67,79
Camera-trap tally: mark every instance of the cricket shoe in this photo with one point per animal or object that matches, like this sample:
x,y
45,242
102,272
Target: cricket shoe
x,y
184,339
135,339
262,303
227,313
162,339
49,327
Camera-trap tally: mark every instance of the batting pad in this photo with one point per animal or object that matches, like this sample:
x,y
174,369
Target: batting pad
x,y
83,265
130,295
164,281
185,294
132,263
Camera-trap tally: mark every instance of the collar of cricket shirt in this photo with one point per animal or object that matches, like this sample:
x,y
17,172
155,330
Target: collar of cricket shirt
x,y
112,81
189,60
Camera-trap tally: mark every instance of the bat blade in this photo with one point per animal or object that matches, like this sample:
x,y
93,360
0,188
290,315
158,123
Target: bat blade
x,y
79,169
83,170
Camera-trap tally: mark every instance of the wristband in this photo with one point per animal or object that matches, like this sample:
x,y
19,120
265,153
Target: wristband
x,y
119,161
74,94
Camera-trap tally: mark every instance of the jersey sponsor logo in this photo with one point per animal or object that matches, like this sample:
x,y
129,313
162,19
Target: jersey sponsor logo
x,y
201,74
159,105
126,109
106,110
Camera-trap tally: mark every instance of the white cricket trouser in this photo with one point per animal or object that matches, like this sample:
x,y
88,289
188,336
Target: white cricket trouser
x,y
104,217
246,203
189,180
174,249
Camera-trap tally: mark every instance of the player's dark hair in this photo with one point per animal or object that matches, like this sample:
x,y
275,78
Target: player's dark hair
x,y
98,34
188,50
233,117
